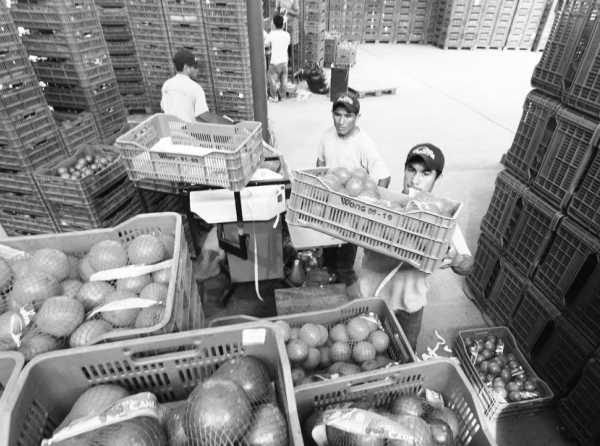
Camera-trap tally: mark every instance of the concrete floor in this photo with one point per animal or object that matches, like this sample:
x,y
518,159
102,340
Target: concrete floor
x,y
466,102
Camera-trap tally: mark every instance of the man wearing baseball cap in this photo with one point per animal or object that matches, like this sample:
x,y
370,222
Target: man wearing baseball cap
x,y
403,287
182,96
347,145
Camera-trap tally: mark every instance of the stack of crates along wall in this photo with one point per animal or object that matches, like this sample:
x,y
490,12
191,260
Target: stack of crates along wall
x,y
313,31
29,137
525,24
490,11
449,21
150,34
403,16
387,28
506,12
472,24
229,57
545,27
354,24
187,30
70,57
336,15
114,18
421,14
372,18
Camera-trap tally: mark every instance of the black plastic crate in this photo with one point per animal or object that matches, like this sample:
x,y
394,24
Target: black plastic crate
x,y
578,412
532,233
19,181
23,125
116,32
570,261
504,209
486,267
47,146
506,294
121,47
77,129
93,71
81,98
16,223
19,94
537,125
560,355
29,203
570,151
584,311
585,202
532,318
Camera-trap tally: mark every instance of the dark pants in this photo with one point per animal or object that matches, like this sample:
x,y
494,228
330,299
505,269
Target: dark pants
x,y
340,260
411,324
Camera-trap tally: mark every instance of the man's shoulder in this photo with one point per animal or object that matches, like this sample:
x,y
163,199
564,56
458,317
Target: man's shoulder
x,y
329,135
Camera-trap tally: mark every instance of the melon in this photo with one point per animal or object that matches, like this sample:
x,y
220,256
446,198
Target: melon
x,y
146,249
269,427
5,274
150,316
155,291
218,412
162,276
134,284
107,254
168,241
88,332
122,317
21,266
71,287
59,316
250,374
34,287
94,401
53,262
36,344
85,269
92,294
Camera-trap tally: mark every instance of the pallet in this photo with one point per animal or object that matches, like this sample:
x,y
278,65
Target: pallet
x,y
372,93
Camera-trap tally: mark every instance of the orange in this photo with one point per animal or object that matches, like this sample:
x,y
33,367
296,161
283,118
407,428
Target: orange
x,y
380,340
340,351
312,359
338,333
297,350
363,351
310,334
358,329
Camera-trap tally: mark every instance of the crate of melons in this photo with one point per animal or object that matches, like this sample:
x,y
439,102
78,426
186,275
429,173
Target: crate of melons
x,y
226,386
506,383
83,288
348,205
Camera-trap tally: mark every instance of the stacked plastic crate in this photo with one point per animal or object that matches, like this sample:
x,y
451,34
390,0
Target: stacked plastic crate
x,y
421,12
537,264
29,137
472,24
449,18
229,57
504,17
114,18
372,18
65,41
315,18
150,34
336,15
354,24
490,10
403,16
187,30
525,24
387,28
545,27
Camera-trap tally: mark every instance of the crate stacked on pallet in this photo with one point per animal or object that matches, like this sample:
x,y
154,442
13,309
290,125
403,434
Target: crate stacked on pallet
x,y
188,30
372,18
313,32
150,34
89,189
421,14
229,56
114,18
403,17
449,23
490,9
525,24
330,47
354,23
387,27
65,41
29,137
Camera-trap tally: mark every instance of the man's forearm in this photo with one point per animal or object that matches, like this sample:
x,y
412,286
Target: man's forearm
x,y
320,163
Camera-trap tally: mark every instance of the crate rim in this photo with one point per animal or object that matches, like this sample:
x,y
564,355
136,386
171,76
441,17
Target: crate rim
x,y
10,384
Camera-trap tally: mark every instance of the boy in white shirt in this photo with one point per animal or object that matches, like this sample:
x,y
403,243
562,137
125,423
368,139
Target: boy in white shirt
x,y
278,67
406,291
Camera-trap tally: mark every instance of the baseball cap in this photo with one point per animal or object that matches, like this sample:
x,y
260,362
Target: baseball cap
x,y
184,57
430,155
350,103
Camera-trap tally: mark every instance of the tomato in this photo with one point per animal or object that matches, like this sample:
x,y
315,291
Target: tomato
x,y
341,173
369,195
332,181
370,184
359,172
354,186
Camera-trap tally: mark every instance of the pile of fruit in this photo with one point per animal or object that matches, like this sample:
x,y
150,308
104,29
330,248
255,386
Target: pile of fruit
x,y
49,301
236,405
316,352
84,166
407,420
500,371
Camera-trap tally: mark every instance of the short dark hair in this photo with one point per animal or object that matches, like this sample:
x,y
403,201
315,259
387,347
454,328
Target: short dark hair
x,y
183,58
278,21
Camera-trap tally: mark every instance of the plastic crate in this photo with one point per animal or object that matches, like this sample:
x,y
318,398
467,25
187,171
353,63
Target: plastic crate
x,y
495,408
535,131
77,130
169,366
506,294
384,386
486,266
504,210
17,181
578,412
11,364
525,24
418,238
23,223
532,318
30,203
502,23
175,317
121,47
560,355
569,153
47,147
532,233
236,152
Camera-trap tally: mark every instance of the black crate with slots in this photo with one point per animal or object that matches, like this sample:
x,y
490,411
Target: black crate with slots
x,y
382,387
136,103
506,294
170,366
532,318
560,354
77,129
23,223
569,153
486,266
532,233
502,23
121,47
31,203
496,406
420,20
504,210
534,134
585,201
578,411
403,18
525,23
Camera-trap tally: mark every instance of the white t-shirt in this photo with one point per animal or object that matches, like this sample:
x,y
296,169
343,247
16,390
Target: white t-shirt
x,y
357,150
280,40
183,97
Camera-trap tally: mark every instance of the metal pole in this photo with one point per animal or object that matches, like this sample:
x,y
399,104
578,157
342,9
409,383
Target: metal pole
x,y
257,64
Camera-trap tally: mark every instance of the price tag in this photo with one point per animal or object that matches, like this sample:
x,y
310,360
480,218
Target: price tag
x,y
254,336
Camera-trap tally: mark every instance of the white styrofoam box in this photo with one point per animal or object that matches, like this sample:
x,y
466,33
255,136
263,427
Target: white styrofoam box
x,y
303,238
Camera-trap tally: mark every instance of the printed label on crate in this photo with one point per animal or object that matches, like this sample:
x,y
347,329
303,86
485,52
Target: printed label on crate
x,y
360,207
254,336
